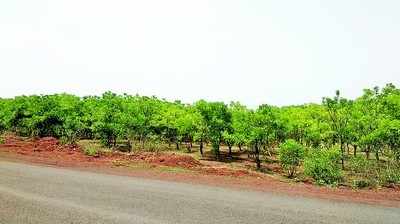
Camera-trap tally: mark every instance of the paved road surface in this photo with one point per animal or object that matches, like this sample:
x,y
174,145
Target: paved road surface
x,y
35,194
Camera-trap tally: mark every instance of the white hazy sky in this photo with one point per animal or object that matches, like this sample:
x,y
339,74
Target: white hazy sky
x,y
255,51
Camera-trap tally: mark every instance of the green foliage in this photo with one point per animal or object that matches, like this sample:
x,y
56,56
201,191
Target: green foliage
x,y
369,124
322,165
217,118
2,140
390,174
241,124
291,154
366,172
373,173
359,164
360,183
91,151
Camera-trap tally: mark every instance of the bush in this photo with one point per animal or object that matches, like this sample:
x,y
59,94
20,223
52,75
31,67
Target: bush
x,y
360,183
322,165
390,174
2,140
291,154
365,171
91,151
372,173
360,165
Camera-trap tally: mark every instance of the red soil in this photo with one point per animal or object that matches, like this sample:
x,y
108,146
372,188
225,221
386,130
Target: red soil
x,y
50,148
49,151
165,159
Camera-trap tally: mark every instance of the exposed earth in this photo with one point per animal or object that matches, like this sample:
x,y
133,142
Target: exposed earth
x,y
180,168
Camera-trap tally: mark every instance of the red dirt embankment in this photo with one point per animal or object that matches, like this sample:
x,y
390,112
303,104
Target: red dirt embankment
x,y
164,159
49,150
68,155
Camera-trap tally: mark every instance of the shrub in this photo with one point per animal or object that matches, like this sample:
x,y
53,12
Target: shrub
x,y
322,165
64,141
359,165
360,183
390,174
366,172
372,173
91,151
291,154
2,140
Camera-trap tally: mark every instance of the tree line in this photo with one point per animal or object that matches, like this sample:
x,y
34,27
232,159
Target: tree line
x,y
369,124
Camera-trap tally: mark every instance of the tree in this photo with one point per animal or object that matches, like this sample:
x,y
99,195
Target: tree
x,y
291,155
108,124
370,123
322,165
188,124
338,109
369,105
241,125
217,119
262,133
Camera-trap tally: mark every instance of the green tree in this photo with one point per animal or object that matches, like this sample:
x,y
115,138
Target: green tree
x,y
291,154
217,118
338,109
108,124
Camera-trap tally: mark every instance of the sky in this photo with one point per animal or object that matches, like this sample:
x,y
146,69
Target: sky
x,y
278,52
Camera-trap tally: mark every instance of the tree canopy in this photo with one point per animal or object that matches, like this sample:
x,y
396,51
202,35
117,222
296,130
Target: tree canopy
x,y
369,123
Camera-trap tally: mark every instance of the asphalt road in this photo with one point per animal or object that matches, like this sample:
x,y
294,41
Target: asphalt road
x,y
36,194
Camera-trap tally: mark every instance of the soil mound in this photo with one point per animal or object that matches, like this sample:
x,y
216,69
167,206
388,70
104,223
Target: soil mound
x,y
29,146
49,147
166,159
46,144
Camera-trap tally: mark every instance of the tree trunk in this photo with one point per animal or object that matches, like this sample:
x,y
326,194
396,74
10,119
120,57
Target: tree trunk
x,y
114,141
377,155
230,151
348,148
201,147
189,149
355,150
129,145
342,150
257,154
143,141
367,152
240,147
217,152
177,145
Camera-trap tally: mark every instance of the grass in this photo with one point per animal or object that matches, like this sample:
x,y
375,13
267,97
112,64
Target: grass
x,y
132,165
93,147
172,169
91,151
147,166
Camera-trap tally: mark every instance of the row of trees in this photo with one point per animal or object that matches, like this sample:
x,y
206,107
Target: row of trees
x,y
369,124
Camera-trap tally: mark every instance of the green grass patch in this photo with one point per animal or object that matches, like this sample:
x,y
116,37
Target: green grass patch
x,y
170,169
91,151
93,147
148,166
